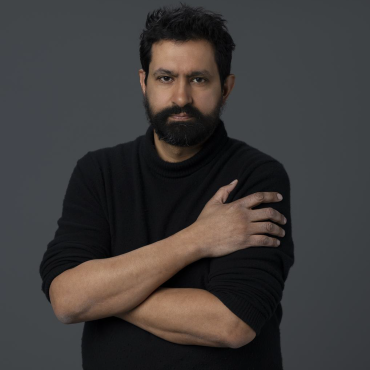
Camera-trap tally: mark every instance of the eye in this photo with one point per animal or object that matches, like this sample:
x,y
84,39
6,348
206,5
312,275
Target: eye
x,y
204,80
160,77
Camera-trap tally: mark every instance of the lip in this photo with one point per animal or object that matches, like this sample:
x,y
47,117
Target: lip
x,y
183,117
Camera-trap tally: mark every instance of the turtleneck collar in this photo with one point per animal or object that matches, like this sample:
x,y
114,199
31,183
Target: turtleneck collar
x,y
210,148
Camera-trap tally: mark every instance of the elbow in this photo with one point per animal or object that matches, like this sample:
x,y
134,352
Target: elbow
x,y
62,315
241,336
61,312
65,316
242,341
65,319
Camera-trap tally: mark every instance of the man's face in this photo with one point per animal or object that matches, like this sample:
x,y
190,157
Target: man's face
x,y
183,79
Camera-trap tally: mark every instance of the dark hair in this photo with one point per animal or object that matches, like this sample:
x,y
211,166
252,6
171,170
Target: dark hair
x,y
187,23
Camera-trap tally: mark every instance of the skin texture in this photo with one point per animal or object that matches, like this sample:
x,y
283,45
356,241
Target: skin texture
x,y
195,316
98,297
204,97
182,93
187,316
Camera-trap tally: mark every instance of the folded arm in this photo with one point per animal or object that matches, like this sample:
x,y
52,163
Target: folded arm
x,y
191,317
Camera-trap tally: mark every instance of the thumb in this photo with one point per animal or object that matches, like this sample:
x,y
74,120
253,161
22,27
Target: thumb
x,y
223,193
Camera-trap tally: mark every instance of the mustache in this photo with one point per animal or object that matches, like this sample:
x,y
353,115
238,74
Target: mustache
x,y
187,109
172,110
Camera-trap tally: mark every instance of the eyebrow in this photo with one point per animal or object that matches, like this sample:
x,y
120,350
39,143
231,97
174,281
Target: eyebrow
x,y
202,72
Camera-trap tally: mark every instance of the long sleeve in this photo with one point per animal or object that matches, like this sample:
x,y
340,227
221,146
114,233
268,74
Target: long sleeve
x,y
124,197
83,229
250,282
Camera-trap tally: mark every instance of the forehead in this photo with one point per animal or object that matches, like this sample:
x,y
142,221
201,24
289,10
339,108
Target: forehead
x,y
183,57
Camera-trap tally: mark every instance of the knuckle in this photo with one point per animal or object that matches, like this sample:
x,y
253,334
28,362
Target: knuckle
x,y
259,196
269,226
235,207
242,237
270,212
265,240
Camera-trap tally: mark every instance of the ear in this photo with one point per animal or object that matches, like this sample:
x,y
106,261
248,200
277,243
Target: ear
x,y
142,79
228,86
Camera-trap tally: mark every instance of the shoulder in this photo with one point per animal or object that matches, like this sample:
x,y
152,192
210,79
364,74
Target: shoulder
x,y
257,171
253,161
111,156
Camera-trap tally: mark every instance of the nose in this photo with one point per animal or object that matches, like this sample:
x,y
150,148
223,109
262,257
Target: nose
x,y
182,93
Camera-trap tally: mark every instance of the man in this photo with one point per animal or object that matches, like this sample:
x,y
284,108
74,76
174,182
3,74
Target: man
x,y
161,257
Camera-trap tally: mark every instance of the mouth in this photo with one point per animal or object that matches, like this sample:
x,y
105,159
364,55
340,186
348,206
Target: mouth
x,y
180,116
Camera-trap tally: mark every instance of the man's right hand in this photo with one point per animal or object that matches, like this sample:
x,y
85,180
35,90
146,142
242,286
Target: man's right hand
x,y
222,229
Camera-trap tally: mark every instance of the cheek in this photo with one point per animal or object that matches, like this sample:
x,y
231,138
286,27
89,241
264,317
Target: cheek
x,y
208,101
158,100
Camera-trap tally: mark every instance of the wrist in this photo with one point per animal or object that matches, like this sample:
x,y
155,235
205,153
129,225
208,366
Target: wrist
x,y
192,239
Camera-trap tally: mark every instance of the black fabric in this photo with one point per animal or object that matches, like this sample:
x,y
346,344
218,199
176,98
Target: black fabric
x,y
124,197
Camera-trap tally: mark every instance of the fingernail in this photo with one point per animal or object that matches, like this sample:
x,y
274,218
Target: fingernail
x,y
280,196
233,182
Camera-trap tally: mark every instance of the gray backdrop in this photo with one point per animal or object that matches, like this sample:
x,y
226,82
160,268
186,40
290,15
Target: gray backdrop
x,y
70,84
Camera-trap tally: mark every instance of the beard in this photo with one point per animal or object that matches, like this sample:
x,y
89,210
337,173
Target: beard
x,y
193,131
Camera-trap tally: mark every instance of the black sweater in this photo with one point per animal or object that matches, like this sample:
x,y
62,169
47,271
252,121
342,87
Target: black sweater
x,y
124,197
